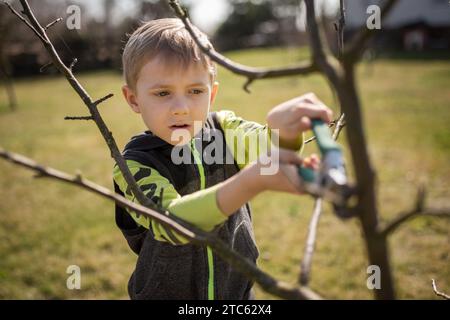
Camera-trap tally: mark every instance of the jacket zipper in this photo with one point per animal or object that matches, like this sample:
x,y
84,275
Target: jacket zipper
x,y
201,171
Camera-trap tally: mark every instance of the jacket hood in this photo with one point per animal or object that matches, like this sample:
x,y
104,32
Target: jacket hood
x,y
145,141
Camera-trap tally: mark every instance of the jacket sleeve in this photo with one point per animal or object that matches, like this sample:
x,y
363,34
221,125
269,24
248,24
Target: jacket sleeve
x,y
199,208
247,140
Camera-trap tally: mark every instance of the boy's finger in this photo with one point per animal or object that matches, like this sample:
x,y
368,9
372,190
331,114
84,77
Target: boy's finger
x,y
315,158
314,111
311,97
304,124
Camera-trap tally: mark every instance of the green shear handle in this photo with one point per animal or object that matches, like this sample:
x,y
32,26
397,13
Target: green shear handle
x,y
330,181
326,145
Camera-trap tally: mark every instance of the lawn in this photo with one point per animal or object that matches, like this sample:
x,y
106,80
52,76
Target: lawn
x,y
46,226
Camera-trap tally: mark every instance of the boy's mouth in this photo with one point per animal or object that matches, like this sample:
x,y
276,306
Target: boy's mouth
x,y
179,126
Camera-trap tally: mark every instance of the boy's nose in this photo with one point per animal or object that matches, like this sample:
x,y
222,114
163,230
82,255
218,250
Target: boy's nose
x,y
180,107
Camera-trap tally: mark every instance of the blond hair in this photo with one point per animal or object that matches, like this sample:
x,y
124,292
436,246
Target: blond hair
x,y
167,37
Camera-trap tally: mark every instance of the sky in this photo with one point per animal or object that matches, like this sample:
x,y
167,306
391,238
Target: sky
x,y
207,14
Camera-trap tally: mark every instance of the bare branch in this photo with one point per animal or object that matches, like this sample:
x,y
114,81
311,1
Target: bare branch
x,y
437,292
14,11
251,73
339,126
324,61
51,24
305,268
339,123
247,84
315,35
45,67
419,210
359,41
339,27
109,95
79,118
74,62
44,171
9,87
82,93
195,235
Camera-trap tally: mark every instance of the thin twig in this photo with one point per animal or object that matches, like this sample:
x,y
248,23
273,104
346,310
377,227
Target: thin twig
x,y
97,102
405,216
325,62
339,27
358,42
305,268
79,118
437,292
45,66
25,21
339,123
74,62
418,210
51,24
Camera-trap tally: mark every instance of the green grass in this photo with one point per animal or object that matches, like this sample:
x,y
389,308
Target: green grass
x,y
45,226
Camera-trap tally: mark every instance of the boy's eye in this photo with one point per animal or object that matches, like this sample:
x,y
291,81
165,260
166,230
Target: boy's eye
x,y
162,93
196,91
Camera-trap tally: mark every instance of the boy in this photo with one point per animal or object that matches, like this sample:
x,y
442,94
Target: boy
x,y
171,84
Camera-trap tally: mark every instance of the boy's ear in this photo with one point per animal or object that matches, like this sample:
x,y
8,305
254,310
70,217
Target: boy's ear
x,y
214,90
129,95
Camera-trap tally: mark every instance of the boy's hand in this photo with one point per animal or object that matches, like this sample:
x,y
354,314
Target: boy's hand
x,y
294,116
240,188
287,179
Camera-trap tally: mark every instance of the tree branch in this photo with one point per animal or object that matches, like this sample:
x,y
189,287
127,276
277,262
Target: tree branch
x,y
103,99
251,73
45,67
25,21
34,25
437,292
305,268
339,125
51,24
195,235
419,210
324,61
78,118
359,41
340,25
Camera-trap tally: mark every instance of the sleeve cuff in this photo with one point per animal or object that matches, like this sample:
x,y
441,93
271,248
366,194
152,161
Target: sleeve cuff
x,y
199,208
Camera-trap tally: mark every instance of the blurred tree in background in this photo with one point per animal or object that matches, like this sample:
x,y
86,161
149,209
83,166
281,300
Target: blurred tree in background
x,y
22,54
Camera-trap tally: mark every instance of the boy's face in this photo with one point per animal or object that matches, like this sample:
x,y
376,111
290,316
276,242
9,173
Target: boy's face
x,y
170,97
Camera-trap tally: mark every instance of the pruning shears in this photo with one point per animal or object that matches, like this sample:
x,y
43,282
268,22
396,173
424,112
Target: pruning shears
x,y
330,181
